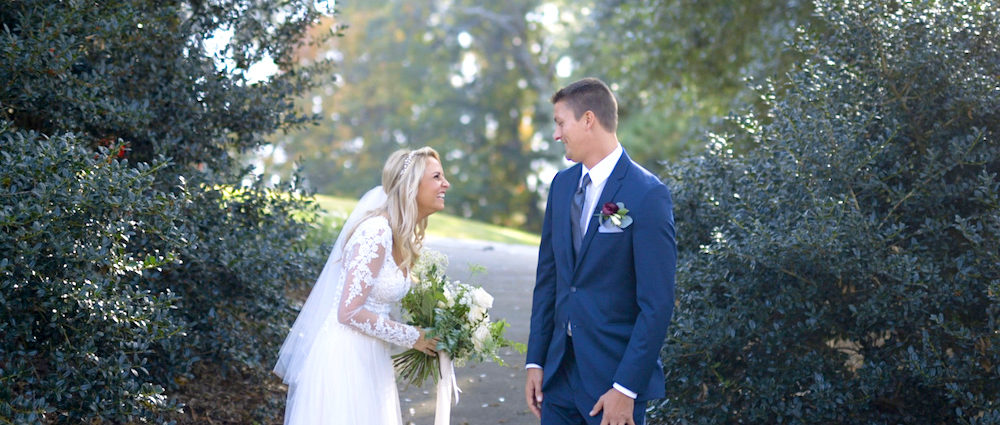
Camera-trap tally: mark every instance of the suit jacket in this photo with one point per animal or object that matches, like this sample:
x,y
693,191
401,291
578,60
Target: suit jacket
x,y
618,291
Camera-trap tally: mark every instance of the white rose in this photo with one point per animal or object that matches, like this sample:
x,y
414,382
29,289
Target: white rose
x,y
482,298
476,313
449,297
480,336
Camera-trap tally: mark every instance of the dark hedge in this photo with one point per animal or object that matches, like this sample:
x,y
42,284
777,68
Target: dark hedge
x,y
134,243
846,270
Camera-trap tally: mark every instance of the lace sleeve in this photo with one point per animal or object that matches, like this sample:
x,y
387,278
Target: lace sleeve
x,y
364,256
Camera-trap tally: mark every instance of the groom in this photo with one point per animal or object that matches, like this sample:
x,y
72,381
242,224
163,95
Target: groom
x,y
604,289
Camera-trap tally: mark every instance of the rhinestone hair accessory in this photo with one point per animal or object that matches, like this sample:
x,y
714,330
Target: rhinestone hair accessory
x,y
406,163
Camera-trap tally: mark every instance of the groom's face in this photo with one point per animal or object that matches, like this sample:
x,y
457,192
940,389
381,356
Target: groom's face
x,y
569,130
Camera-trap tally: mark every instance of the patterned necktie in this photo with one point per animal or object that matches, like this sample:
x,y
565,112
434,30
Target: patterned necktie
x,y
577,210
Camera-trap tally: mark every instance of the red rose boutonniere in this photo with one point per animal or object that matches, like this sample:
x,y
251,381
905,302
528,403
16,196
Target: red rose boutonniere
x,y
617,213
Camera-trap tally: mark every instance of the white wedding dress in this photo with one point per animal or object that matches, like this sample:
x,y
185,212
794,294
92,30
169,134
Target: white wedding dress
x,y
346,375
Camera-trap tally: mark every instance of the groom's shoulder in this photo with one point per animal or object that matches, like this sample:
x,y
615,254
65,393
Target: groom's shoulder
x,y
644,177
565,172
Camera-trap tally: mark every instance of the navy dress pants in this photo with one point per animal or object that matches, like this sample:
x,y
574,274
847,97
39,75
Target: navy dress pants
x,y
566,403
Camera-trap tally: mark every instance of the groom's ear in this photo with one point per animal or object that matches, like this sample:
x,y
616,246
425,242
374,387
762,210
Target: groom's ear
x,y
590,119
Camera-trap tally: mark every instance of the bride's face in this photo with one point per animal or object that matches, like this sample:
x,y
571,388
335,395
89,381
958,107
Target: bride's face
x,y
433,185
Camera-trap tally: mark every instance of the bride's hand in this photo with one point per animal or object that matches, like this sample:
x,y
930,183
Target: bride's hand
x,y
426,345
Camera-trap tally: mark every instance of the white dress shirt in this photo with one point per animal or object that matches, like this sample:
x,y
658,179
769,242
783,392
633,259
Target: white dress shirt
x,y
598,178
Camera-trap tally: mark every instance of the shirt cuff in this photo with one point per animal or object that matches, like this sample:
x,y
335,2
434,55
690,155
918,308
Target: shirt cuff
x,y
532,366
625,391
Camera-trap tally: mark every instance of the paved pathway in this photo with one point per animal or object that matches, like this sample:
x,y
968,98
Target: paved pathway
x,y
491,394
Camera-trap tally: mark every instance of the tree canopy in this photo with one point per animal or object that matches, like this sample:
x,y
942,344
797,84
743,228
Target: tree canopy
x,y
474,80
462,77
679,67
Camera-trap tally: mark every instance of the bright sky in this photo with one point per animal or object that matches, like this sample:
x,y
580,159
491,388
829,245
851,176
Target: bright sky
x,y
216,47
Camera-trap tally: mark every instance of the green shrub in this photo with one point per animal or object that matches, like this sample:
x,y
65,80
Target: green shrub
x,y
78,327
847,270
242,252
165,227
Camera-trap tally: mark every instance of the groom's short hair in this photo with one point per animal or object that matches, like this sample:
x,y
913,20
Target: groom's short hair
x,y
590,94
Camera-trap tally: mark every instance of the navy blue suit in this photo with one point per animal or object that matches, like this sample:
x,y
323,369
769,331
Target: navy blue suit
x,y
618,291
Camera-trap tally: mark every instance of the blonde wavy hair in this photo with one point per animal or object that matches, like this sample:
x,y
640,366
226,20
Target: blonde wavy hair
x,y
401,177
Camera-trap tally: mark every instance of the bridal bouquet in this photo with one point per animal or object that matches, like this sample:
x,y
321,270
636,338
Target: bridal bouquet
x,y
456,313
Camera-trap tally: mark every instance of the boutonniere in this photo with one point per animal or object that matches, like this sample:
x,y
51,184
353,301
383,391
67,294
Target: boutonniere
x,y
617,213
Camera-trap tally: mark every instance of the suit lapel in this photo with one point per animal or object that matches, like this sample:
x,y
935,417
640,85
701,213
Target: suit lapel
x,y
611,188
566,233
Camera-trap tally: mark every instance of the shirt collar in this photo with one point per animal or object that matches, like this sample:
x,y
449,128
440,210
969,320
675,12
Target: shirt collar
x,y
603,169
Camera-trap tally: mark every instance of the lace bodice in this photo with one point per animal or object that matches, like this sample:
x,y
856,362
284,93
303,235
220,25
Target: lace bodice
x,y
373,284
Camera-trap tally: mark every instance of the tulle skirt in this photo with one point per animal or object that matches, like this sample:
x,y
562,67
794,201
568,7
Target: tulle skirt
x,y
346,379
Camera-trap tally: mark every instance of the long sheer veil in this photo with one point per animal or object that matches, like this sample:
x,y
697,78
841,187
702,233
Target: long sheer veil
x,y
324,297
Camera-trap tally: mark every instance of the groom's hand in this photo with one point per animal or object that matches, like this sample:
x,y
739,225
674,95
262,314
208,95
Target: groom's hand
x,y
533,391
617,408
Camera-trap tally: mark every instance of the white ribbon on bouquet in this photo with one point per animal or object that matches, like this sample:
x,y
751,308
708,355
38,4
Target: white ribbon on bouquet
x,y
447,386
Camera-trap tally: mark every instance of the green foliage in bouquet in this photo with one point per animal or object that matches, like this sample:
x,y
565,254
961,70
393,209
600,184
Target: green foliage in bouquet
x,y
453,312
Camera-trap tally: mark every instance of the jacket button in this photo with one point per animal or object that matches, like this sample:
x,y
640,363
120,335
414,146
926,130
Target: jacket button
x,y
572,289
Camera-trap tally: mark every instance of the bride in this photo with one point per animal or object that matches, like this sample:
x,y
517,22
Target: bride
x,y
336,359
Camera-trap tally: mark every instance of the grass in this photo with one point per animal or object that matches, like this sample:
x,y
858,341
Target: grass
x,y
440,224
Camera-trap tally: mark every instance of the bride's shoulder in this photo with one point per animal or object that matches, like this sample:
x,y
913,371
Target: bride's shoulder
x,y
375,225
